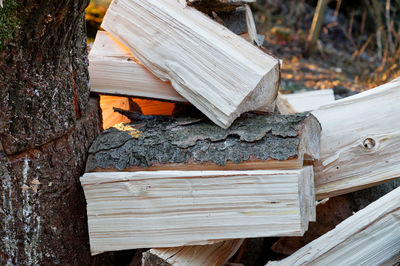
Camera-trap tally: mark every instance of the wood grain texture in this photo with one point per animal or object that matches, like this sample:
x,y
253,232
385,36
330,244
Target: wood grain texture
x,y
113,70
129,210
369,237
211,255
168,143
214,69
359,141
307,101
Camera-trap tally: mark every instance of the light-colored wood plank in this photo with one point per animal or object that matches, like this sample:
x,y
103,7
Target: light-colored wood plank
x,y
113,70
214,69
178,208
360,139
308,101
369,237
211,255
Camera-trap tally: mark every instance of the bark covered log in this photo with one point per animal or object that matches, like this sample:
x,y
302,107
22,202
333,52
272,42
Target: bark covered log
x,y
253,142
43,71
39,191
47,124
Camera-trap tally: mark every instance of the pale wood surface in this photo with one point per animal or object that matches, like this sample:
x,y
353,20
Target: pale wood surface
x,y
178,208
360,139
369,237
308,101
211,255
113,70
251,27
216,70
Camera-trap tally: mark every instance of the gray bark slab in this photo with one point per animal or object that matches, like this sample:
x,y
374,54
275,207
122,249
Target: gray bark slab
x,y
164,140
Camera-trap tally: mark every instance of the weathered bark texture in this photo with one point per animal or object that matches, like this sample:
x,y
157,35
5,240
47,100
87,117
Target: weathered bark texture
x,y
43,210
43,71
47,124
187,143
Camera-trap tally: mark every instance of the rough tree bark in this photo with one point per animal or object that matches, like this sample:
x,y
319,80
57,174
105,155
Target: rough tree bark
x,y
47,124
182,143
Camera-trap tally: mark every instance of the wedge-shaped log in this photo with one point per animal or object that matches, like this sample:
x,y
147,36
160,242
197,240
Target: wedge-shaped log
x,y
163,143
359,142
129,210
214,254
113,70
217,71
369,237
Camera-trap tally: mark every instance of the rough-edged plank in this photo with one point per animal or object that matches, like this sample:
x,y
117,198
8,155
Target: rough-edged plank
x,y
113,70
252,142
359,141
369,237
217,71
213,255
129,210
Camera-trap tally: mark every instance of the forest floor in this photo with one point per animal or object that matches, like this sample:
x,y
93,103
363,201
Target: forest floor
x,y
346,56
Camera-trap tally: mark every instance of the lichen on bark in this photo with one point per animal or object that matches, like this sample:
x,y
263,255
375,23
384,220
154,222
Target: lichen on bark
x,y
10,21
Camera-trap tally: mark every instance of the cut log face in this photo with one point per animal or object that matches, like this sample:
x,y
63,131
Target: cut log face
x,y
214,254
128,210
217,71
113,70
369,237
359,141
253,142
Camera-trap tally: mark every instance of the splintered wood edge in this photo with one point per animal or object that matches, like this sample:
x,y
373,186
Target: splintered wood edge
x,y
350,233
213,254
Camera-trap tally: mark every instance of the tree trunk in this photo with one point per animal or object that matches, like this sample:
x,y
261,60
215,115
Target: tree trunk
x,y
47,124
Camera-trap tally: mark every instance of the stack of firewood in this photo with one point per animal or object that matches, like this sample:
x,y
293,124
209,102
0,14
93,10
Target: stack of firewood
x,y
193,185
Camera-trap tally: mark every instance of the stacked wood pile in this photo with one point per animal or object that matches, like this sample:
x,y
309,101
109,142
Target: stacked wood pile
x,y
191,184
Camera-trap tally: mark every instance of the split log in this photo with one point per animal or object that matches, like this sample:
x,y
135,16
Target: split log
x,y
215,254
304,101
128,210
369,237
214,69
359,141
164,143
113,70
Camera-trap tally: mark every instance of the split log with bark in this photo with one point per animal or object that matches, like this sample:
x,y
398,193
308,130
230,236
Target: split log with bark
x,y
184,143
217,71
176,208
